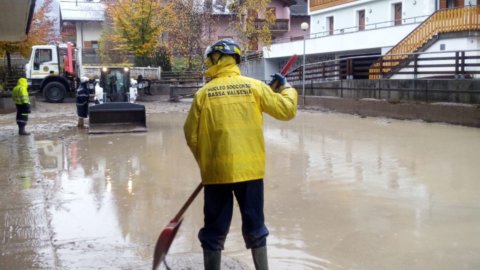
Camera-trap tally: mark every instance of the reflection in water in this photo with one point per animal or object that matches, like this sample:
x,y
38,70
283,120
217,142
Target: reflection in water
x,y
361,188
341,193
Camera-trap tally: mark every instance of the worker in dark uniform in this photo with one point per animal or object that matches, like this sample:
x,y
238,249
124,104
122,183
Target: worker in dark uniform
x,y
82,98
144,84
22,103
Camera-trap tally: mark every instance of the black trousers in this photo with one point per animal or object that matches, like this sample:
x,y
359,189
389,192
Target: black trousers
x,y
22,116
218,210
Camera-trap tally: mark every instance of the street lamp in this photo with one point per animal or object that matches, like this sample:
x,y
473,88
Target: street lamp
x,y
304,27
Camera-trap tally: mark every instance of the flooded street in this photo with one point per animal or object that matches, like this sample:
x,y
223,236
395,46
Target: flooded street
x,y
342,192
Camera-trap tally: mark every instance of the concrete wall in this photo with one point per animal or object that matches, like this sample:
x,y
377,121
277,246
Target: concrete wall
x,y
391,98
7,105
456,91
459,114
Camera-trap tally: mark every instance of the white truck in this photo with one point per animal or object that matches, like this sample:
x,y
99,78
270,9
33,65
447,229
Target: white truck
x,y
52,71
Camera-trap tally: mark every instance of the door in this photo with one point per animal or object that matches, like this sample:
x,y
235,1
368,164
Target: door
x,y
451,4
397,11
330,25
361,20
44,63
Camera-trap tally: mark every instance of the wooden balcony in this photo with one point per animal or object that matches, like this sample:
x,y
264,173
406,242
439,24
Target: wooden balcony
x,y
443,21
322,4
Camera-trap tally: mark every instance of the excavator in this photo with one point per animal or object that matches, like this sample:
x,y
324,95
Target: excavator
x,y
55,71
114,110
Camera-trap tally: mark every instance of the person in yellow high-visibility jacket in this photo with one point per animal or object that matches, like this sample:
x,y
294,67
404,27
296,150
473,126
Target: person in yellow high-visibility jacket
x,y
22,103
224,131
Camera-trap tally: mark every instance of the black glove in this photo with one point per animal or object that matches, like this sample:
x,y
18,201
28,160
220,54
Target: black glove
x,y
279,78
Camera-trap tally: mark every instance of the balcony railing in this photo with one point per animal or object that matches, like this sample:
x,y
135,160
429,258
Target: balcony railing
x,y
354,29
444,64
280,25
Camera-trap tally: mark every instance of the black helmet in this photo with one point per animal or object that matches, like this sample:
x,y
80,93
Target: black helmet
x,y
225,46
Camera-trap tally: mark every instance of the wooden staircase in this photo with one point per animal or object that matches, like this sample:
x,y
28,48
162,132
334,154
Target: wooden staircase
x,y
442,21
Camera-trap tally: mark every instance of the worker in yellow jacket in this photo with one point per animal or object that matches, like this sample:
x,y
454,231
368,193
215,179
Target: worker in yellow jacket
x,y
224,131
22,103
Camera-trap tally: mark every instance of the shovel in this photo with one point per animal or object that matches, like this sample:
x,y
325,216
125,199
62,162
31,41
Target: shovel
x,y
166,237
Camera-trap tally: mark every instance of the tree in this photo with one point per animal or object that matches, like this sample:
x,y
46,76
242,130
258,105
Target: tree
x,y
159,57
193,30
41,32
137,26
252,21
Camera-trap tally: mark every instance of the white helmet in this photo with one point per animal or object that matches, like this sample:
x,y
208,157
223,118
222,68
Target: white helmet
x,y
84,79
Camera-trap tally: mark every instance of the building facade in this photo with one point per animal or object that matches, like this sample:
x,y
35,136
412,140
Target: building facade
x,y
375,28
81,22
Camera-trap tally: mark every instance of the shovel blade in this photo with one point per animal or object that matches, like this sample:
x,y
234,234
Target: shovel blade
x,y
164,242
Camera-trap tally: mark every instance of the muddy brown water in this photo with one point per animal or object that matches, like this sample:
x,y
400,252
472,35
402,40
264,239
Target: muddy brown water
x,y
342,192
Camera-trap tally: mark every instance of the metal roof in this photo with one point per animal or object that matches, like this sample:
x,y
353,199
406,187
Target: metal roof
x,y
82,11
300,8
16,19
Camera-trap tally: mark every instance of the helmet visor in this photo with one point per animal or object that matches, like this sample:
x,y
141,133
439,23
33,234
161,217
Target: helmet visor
x,y
208,51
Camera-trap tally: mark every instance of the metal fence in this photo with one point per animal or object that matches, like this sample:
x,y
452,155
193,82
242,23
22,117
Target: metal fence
x,y
442,64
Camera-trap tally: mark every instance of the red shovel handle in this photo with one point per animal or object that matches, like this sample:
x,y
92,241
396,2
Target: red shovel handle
x,y
285,69
289,64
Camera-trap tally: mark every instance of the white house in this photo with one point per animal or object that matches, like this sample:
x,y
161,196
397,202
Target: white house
x,y
342,28
81,22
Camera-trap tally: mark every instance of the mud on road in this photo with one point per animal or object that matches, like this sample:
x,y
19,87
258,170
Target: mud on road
x,y
341,192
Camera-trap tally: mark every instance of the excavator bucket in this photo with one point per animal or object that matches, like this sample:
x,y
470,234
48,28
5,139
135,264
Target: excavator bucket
x,y
116,114
117,117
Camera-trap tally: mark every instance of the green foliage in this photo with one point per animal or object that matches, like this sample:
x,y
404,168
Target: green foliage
x,y
159,57
107,47
136,26
186,64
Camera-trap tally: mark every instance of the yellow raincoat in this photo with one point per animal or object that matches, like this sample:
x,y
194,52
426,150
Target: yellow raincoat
x,y
20,92
224,128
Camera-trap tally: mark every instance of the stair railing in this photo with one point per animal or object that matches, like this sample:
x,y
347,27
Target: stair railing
x,y
442,21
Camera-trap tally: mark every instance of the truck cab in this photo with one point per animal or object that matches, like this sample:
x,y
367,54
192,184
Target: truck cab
x,y
50,70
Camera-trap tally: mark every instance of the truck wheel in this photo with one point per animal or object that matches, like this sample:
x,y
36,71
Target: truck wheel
x,y
54,92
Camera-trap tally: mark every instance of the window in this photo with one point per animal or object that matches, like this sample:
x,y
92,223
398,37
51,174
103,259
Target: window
x,y
253,44
361,20
451,3
41,56
330,25
397,13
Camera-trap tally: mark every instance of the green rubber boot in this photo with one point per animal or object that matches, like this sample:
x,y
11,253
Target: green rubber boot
x,y
260,258
212,259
